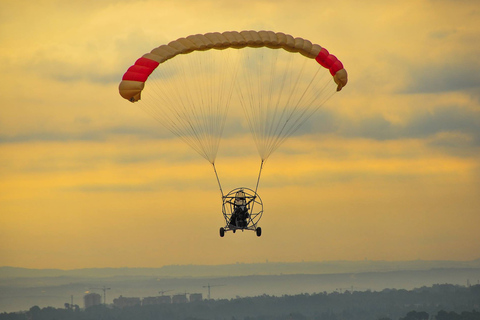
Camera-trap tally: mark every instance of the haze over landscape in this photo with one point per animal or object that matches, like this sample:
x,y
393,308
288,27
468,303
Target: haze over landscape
x,y
22,288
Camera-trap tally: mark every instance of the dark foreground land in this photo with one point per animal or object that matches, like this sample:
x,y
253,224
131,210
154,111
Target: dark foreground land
x,y
441,302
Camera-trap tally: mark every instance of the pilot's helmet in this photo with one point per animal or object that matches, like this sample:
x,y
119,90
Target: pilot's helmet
x,y
240,198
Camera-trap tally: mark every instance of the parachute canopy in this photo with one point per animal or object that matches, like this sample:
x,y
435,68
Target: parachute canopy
x,y
191,88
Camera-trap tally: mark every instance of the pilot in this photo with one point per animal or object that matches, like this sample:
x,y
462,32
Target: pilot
x,y
240,211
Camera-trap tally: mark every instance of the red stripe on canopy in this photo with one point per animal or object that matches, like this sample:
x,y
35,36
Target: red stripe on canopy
x,y
329,61
141,70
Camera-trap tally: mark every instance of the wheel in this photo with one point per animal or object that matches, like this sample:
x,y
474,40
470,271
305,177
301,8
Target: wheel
x,y
222,232
259,231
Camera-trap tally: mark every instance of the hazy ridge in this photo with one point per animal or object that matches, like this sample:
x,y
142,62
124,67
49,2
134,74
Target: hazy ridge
x,y
243,269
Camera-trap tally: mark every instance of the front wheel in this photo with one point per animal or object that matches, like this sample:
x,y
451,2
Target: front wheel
x,y
259,231
222,232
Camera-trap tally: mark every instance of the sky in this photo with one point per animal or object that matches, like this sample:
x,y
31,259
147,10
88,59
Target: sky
x,y
390,171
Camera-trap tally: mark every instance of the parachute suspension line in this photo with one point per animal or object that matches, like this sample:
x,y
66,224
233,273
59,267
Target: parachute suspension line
x,y
190,95
218,180
169,104
258,181
259,174
275,137
304,113
279,92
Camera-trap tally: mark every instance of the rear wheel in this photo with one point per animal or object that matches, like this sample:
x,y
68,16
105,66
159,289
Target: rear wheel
x,y
259,231
222,232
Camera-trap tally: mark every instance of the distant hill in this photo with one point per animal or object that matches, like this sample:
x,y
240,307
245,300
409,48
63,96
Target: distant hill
x,y
243,269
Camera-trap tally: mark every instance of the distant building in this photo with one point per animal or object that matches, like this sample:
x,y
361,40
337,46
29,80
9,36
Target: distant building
x,y
180,298
92,299
165,299
156,300
149,301
122,302
196,297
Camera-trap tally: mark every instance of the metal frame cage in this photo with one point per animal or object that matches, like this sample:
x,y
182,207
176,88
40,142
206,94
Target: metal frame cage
x,y
254,206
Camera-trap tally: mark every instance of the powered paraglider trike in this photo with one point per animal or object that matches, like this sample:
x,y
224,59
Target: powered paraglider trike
x,y
242,209
277,80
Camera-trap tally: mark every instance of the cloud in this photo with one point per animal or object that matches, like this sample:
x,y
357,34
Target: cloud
x,y
114,188
51,136
449,119
442,125
93,134
420,124
95,60
450,76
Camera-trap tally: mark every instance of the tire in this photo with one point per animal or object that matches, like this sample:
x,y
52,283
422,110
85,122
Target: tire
x,y
259,231
222,232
